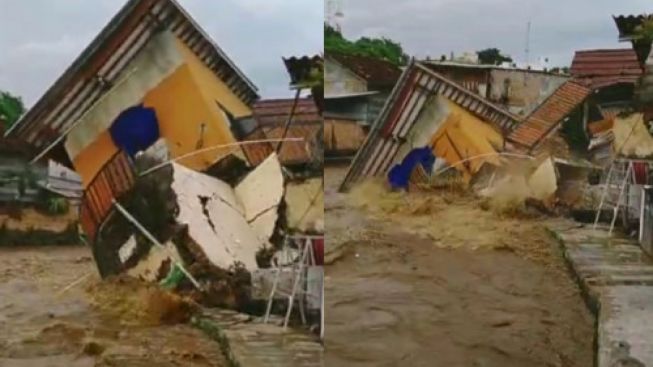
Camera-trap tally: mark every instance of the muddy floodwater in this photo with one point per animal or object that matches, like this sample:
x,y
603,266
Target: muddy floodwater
x,y
438,280
41,326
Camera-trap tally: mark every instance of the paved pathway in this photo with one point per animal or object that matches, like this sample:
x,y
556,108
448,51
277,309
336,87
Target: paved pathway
x,y
616,277
254,344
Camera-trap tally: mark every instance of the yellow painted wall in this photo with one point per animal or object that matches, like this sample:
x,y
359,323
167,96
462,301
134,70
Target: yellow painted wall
x,y
462,136
90,160
187,99
183,101
211,86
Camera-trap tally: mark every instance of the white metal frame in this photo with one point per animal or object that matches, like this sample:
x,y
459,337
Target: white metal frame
x,y
299,269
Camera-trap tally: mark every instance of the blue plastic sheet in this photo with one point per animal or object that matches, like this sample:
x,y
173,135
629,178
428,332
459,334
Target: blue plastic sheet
x,y
135,129
399,175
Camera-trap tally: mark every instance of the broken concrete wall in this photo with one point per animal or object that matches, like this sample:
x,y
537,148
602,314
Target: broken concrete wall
x,y
305,206
260,194
631,136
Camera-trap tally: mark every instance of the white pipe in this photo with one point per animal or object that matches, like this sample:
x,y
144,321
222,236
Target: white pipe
x,y
482,156
149,236
195,152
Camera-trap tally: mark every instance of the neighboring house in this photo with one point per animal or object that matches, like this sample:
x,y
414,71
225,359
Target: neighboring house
x,y
151,73
23,182
611,73
271,116
356,88
519,91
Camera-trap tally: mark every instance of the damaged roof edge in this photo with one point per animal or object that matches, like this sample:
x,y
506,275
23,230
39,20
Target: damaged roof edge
x,y
434,84
364,150
109,30
220,51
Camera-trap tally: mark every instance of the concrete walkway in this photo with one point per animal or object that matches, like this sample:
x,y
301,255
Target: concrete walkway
x,y
616,278
254,344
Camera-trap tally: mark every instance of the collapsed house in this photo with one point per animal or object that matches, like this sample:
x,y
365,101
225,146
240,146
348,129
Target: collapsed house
x,y
356,88
154,118
467,133
586,139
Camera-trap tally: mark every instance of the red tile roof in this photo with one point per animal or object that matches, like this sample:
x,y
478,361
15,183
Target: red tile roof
x,y
601,68
271,116
548,115
274,112
377,72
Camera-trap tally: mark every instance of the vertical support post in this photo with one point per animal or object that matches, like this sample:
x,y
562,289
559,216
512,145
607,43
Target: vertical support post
x,y
624,182
603,195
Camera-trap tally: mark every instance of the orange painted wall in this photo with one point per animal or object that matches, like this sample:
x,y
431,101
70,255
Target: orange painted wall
x,y
183,101
211,86
89,162
463,135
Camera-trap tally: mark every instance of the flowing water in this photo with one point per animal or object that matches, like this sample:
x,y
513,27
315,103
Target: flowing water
x,y
436,280
88,324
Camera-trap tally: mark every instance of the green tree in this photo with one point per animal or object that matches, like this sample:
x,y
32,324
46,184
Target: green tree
x,y
644,31
492,56
11,108
560,69
381,48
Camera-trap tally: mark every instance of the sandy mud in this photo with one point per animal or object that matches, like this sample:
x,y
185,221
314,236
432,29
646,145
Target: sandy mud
x,y
445,280
99,324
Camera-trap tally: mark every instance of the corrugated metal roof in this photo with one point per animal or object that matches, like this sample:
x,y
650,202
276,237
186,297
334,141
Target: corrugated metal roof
x,y
271,116
416,85
547,116
601,68
292,152
299,68
275,111
295,152
626,24
104,60
377,72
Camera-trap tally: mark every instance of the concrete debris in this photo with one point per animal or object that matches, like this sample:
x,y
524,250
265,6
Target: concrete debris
x,y
216,221
305,206
632,137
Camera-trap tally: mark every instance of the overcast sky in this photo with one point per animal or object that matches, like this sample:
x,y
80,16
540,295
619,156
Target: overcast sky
x,y
436,27
40,38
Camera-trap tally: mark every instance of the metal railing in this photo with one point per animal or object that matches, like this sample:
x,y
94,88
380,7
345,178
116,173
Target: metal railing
x,y
115,178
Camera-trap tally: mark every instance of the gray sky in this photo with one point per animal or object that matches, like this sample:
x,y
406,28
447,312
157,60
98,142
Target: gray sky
x,y
40,38
436,27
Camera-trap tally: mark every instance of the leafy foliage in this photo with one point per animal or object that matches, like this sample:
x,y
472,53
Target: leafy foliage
x,y
492,56
560,69
380,48
11,108
644,31
57,206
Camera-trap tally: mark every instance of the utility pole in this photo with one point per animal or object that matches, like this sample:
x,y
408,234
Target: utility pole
x,y
527,50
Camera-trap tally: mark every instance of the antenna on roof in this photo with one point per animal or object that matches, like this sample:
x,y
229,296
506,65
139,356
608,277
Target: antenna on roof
x,y
335,15
527,50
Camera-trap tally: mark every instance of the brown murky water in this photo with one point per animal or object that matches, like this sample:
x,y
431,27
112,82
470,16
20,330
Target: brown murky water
x,y
446,285
43,327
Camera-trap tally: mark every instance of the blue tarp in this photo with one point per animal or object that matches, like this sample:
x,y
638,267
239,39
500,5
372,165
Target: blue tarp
x,y
399,175
135,129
